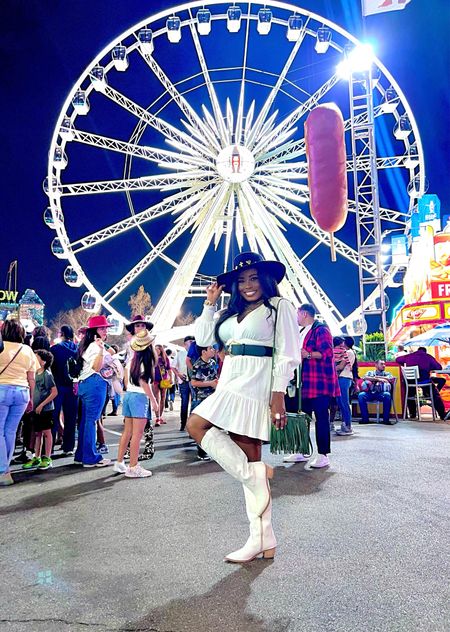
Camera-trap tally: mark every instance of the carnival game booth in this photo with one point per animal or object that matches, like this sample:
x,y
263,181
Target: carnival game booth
x,y
396,392
427,299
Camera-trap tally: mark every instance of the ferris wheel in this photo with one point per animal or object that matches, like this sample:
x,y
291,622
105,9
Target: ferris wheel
x,y
182,143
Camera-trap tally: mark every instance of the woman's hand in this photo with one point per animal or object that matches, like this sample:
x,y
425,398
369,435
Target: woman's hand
x,y
278,410
213,292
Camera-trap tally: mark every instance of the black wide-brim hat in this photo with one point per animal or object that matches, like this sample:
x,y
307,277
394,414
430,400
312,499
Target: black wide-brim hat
x,y
247,260
136,320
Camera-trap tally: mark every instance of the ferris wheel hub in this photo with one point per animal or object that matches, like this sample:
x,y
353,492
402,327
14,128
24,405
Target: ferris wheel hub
x,y
235,163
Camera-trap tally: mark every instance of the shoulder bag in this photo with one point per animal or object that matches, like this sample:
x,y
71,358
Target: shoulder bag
x,y
294,437
12,360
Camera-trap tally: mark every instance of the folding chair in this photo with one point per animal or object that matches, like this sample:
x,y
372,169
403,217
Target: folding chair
x,y
411,377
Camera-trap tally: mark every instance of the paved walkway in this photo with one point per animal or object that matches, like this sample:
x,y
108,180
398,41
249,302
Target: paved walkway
x,y
363,546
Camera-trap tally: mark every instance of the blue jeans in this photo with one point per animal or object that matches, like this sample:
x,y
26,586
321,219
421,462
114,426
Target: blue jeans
x,y
185,392
92,393
13,402
363,398
344,401
320,406
68,402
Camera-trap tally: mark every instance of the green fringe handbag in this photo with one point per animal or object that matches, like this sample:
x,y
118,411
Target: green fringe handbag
x,y
294,437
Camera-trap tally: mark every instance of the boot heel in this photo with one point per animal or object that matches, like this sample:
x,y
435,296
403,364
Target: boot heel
x,y
269,554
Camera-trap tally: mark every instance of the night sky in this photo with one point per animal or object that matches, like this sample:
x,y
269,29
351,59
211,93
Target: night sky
x,y
45,46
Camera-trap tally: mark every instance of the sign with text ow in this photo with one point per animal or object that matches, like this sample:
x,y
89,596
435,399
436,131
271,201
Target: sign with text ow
x,y
10,296
440,289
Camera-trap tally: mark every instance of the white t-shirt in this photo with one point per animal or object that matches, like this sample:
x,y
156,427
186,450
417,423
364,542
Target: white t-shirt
x,y
89,356
132,388
179,361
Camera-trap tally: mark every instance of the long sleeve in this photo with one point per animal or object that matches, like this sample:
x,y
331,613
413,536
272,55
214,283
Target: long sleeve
x,y
287,346
204,327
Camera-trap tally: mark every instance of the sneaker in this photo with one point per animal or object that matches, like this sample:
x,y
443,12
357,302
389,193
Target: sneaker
x,y
321,461
332,428
170,405
103,448
344,432
46,462
295,458
20,459
162,421
102,463
34,462
6,479
68,453
120,467
137,472
157,423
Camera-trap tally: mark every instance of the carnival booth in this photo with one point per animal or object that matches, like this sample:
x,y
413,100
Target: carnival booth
x,y
427,292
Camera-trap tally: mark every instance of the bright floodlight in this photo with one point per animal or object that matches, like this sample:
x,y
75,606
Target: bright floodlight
x,y
390,101
145,37
234,16
295,26
120,58
359,59
204,21
403,128
264,21
323,40
173,25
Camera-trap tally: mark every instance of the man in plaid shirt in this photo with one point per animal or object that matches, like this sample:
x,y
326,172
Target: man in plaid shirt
x,y
319,380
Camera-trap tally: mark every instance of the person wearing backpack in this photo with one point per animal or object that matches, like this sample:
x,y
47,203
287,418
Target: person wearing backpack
x,y
92,389
66,400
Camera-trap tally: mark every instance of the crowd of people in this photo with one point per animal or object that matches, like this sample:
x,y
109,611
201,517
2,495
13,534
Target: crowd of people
x,y
246,368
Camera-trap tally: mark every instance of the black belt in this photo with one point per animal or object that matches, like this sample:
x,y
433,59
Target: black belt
x,y
250,350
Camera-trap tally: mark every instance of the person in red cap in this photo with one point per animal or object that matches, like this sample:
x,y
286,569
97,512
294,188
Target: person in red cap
x,y
92,391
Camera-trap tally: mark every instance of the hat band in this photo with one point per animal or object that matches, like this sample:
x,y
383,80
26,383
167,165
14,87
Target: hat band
x,y
247,262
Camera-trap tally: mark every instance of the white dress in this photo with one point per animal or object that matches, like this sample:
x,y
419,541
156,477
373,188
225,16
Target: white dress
x,y
240,403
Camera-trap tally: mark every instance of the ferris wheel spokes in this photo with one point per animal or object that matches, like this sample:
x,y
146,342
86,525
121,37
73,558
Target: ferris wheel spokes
x,y
174,204
153,154
168,131
187,220
177,289
256,128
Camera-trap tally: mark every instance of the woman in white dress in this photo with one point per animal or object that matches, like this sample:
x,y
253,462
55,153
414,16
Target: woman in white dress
x,y
249,396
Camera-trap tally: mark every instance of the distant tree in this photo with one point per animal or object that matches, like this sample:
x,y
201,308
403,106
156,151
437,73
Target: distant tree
x,y
141,303
76,318
184,319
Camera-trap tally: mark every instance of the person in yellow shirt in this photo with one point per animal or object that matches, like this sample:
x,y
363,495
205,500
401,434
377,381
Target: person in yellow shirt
x,y
18,366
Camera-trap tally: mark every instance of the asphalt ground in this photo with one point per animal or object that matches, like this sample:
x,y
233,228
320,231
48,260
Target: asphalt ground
x,y
363,545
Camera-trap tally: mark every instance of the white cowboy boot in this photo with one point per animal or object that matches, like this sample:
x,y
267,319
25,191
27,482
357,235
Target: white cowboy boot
x,y
262,538
233,460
